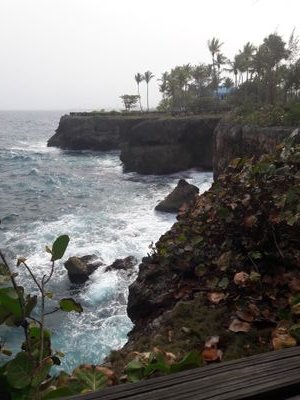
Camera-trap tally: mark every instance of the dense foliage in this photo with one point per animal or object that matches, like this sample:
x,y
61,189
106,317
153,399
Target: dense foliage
x,y
266,75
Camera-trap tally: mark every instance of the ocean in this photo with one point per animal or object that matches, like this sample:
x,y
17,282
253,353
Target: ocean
x,y
46,192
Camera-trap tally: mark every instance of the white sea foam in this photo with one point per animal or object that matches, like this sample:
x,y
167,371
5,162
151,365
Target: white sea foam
x,y
46,192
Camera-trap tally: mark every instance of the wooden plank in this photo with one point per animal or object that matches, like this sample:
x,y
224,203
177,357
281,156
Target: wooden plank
x,y
261,376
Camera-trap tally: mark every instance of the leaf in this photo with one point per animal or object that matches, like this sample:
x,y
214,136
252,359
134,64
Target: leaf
x,y
158,363
59,247
135,371
19,371
196,240
256,255
224,282
255,277
250,221
245,316
191,360
30,303
239,326
3,270
58,393
281,339
9,300
241,278
216,297
48,250
212,354
41,373
90,377
6,352
295,331
69,305
21,260
223,261
212,342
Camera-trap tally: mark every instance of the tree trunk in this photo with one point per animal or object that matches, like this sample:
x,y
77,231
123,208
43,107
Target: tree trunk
x,y
147,97
141,108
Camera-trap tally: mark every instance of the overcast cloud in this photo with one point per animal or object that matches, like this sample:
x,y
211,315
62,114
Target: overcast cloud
x,y
83,54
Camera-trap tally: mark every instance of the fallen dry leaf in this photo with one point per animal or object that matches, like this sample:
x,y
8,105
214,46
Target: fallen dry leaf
x,y
250,221
106,371
170,336
246,200
212,342
283,341
216,297
296,309
253,309
212,354
224,260
294,284
239,326
245,316
241,278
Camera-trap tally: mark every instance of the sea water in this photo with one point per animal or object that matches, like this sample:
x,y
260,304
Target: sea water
x,y
46,192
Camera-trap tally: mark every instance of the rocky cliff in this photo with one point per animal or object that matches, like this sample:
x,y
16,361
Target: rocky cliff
x,y
228,271
91,132
231,141
149,144
169,144
164,144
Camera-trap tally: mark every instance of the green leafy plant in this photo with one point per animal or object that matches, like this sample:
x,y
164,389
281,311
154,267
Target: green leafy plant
x,y
161,363
23,377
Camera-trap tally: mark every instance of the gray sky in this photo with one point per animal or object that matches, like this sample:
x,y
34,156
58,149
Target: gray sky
x,y
83,54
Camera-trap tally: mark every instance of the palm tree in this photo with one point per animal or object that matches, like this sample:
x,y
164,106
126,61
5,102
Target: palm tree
x,y
147,77
247,54
139,78
214,46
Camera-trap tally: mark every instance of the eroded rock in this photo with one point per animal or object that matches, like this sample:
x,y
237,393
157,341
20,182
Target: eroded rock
x,y
80,268
184,193
125,264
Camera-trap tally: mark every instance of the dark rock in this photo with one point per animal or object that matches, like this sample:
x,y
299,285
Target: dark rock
x,y
168,145
126,264
79,268
84,132
184,193
149,144
233,141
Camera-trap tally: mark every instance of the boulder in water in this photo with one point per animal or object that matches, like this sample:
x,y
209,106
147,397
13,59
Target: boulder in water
x,y
80,268
125,264
184,193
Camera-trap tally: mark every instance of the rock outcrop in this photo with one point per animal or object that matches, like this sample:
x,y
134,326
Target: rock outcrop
x,y
231,141
228,268
80,268
149,144
91,132
168,145
157,144
125,264
183,194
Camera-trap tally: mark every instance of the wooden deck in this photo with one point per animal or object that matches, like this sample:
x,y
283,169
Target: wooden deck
x,y
274,375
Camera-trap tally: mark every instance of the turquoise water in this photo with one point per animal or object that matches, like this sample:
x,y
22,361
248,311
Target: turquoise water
x,y
46,192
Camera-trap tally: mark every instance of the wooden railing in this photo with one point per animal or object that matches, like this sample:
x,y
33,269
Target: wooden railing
x,y
268,376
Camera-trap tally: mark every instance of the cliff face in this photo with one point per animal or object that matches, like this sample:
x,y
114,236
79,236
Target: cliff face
x,y
149,145
169,144
232,141
162,145
229,268
84,132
